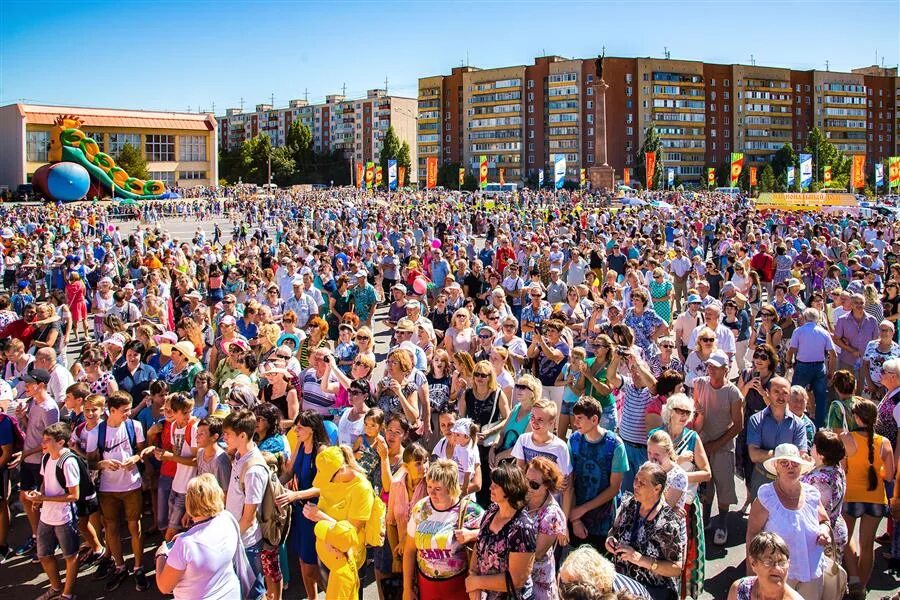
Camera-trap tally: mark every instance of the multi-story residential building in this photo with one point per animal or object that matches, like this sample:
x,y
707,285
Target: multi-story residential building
x,y
354,126
521,117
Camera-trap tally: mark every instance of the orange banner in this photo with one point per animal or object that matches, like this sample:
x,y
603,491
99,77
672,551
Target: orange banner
x,y
370,174
431,169
710,176
626,176
752,176
502,178
858,172
482,172
826,176
379,175
401,175
650,162
359,175
737,165
462,176
583,176
893,171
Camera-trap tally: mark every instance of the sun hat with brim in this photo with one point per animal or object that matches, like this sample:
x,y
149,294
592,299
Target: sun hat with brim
x,y
794,282
694,299
240,343
167,337
788,452
184,347
116,339
288,337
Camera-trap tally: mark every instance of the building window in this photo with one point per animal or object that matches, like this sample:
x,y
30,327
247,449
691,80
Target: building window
x,y
712,82
192,148
531,146
628,90
590,104
727,83
167,177
727,146
590,118
192,175
160,148
36,145
629,104
590,91
627,77
629,131
712,96
629,117
590,158
530,159
531,121
712,107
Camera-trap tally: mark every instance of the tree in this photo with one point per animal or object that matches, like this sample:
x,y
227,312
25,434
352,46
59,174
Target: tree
x,y
825,153
766,178
651,144
231,165
133,162
393,149
403,159
255,154
283,165
784,158
299,140
448,176
723,174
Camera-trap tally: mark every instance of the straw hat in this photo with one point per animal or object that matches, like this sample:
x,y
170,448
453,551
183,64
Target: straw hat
x,y
788,452
184,347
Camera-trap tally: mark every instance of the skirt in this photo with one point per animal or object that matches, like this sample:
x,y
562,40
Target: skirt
x,y
693,571
452,588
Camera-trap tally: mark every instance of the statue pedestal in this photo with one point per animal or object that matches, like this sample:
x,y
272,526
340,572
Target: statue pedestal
x,y
602,178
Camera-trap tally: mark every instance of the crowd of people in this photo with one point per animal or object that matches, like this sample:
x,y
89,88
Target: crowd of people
x,y
565,397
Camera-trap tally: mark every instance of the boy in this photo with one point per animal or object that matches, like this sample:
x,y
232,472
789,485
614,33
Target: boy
x,y
599,465
57,524
541,441
246,487
89,524
75,396
117,459
211,458
183,438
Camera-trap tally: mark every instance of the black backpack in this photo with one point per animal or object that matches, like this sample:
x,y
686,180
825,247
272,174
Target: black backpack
x,y
86,489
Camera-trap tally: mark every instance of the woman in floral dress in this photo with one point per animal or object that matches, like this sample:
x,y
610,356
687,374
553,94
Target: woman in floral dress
x,y
544,477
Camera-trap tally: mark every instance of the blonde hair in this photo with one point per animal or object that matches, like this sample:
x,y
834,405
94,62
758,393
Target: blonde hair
x,y
96,400
664,441
586,565
269,331
546,405
485,365
444,472
681,400
204,497
532,383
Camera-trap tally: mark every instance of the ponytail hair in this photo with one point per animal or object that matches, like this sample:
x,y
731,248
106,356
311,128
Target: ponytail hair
x,y
867,413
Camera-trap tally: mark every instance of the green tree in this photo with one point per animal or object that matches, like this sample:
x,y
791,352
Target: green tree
x,y
651,144
403,159
723,174
390,150
784,158
283,165
825,153
766,178
299,140
255,154
132,161
448,176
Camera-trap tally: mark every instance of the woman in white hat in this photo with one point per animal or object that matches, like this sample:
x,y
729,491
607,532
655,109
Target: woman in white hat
x,y
793,510
185,365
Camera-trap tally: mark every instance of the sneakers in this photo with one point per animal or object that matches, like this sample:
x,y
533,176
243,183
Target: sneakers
x,y
720,537
50,594
116,579
104,567
29,547
140,581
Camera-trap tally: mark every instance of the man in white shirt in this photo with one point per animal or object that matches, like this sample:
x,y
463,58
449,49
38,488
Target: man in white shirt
x,y
60,377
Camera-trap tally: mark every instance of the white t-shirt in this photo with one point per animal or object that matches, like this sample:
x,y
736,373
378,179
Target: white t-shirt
x,y
204,553
349,430
117,448
183,473
58,513
556,450
466,457
254,487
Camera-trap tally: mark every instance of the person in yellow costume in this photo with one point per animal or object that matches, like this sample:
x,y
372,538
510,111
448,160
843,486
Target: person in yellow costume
x,y
344,508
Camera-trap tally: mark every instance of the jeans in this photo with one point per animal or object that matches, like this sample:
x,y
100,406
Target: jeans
x,y
637,455
254,553
813,375
163,487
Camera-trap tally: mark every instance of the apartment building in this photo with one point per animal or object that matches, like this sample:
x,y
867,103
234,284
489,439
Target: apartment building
x,y
355,126
521,117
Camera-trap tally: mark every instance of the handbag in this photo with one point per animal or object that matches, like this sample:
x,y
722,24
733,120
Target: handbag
x,y
834,576
492,438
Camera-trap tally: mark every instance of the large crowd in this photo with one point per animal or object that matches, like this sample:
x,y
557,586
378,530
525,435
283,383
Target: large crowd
x,y
572,393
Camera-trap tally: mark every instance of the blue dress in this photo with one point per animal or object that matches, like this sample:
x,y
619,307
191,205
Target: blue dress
x,y
302,539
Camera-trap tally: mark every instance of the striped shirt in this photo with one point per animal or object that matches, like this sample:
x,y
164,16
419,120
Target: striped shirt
x,y
313,396
633,425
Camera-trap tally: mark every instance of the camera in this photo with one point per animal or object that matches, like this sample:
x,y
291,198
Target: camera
x,y
622,350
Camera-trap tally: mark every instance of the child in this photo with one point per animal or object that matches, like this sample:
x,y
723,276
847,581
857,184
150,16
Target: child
x,y
346,349
798,404
183,435
458,444
365,448
206,400
572,373
75,397
57,524
211,457
89,525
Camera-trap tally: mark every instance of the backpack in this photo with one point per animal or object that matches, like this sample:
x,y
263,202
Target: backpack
x,y
18,443
86,488
274,521
132,440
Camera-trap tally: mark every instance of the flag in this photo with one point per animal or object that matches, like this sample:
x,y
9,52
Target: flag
x,y
502,179
379,175
858,171
752,177
805,170
790,177
710,176
370,174
583,176
431,169
879,175
462,176
893,171
737,164
650,162
626,176
670,177
482,171
392,174
826,173
540,178
359,175
401,175
559,170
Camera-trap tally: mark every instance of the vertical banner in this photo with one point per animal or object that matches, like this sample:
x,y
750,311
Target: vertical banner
x,y
370,174
710,176
379,175
626,176
790,178
650,163
502,178
670,177
826,174
462,176
893,171
540,178
392,174
858,171
753,177
482,171
583,178
359,175
879,175
737,164
431,169
559,170
401,176
805,171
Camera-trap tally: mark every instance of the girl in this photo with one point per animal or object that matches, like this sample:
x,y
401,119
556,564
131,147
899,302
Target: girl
x,y
572,373
458,444
346,349
366,447
76,293
206,400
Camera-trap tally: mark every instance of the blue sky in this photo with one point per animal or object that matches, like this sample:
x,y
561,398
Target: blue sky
x,y
179,54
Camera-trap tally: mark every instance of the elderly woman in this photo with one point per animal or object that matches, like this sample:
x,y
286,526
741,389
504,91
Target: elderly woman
x,y
185,366
317,337
544,479
434,557
199,564
828,477
644,322
769,559
667,358
792,509
695,365
878,352
397,391
648,537
585,573
500,567
691,457
661,292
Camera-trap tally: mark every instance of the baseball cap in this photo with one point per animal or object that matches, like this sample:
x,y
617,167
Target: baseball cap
x,y
37,376
399,286
718,359
228,320
694,299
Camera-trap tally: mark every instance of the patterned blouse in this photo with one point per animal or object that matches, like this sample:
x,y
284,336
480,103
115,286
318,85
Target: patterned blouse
x,y
550,520
492,550
832,484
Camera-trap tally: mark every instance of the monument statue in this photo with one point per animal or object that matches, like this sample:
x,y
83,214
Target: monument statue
x,y
598,65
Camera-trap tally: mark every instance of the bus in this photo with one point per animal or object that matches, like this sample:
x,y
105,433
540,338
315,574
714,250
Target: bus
x,y
494,189
731,191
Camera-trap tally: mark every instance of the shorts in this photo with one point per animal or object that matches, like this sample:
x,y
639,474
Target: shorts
x,y
568,403
66,535
30,477
116,504
872,509
176,510
721,464
271,564
85,508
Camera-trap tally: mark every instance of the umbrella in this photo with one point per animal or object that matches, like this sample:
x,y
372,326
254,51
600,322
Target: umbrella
x,y
169,195
127,202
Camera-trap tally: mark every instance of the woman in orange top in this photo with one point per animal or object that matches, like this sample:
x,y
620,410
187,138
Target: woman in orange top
x,y
869,462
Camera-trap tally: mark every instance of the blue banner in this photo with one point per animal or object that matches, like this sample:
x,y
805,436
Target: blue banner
x,y
879,175
671,176
790,177
806,175
392,174
559,170
540,178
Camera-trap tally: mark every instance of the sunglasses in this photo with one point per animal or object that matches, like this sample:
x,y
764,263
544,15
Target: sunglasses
x,y
485,337
761,356
362,337
666,345
682,411
535,485
765,314
481,375
707,339
228,302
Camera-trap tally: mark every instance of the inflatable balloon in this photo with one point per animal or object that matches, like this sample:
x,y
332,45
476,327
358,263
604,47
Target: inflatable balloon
x,y
67,182
420,285
435,244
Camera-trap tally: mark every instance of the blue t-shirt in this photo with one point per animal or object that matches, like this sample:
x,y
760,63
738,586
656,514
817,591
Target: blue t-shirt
x,y
593,464
6,431
332,430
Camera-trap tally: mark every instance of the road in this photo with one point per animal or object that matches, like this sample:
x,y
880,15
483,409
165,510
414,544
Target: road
x,y
22,579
